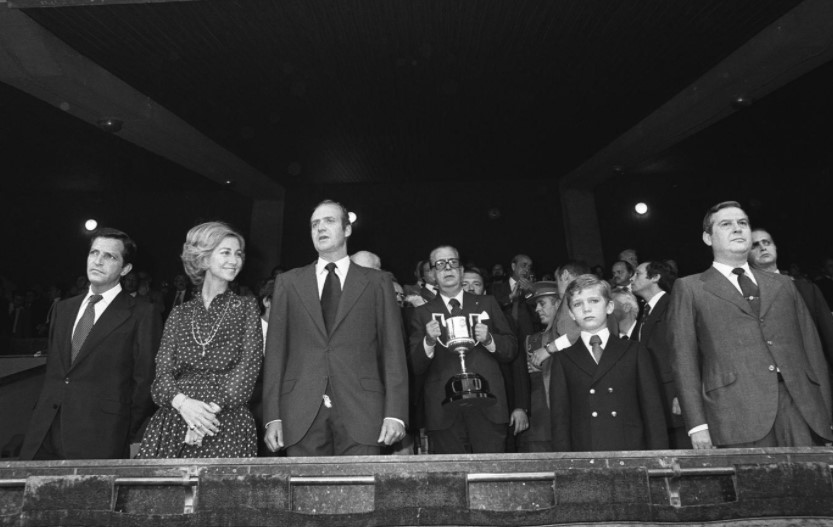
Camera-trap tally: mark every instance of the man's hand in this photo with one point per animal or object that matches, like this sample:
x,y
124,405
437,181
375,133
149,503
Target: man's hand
x,y
392,431
519,420
701,440
481,334
414,300
432,332
675,407
274,436
537,357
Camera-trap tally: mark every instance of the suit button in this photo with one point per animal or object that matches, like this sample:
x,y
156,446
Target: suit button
x,y
769,343
610,390
771,368
613,414
66,381
595,414
592,391
762,319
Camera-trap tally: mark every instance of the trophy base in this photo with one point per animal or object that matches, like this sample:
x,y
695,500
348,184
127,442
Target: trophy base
x,y
466,390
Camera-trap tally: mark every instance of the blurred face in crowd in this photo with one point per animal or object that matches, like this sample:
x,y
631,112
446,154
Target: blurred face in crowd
x,y
105,264
763,254
640,278
447,270
497,270
521,267
545,307
589,308
428,274
329,235
400,294
621,276
730,237
473,283
563,280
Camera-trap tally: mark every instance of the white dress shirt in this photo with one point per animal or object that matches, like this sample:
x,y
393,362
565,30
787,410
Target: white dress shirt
x,y
603,334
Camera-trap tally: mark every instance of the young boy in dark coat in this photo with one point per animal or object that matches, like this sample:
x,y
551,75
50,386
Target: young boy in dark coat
x,y
604,393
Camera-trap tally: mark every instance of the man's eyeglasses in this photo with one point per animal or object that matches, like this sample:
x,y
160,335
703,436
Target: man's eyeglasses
x,y
440,265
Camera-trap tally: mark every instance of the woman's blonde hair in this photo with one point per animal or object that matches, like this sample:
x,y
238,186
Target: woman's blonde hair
x,y
200,242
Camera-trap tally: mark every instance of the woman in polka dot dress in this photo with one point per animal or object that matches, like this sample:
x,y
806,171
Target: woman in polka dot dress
x,y
209,358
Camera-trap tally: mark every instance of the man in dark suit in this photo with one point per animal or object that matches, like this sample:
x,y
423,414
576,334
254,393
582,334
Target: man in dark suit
x,y
764,256
99,369
453,429
335,377
651,282
604,393
745,354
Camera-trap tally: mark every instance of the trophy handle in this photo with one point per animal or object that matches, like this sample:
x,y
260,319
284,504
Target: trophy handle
x,y
439,317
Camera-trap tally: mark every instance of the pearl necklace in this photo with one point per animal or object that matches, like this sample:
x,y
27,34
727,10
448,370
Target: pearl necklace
x,y
195,329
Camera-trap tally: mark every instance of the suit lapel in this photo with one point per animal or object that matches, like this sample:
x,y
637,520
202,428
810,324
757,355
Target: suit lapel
x,y
614,350
654,317
769,288
581,357
307,288
114,316
717,284
354,284
64,327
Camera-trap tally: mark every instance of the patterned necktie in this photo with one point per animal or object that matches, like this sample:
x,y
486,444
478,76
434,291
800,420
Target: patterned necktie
x,y
750,291
330,296
85,324
596,345
642,319
456,310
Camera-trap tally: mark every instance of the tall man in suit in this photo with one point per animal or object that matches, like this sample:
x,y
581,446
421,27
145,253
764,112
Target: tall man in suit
x,y
99,369
652,281
335,377
745,353
451,429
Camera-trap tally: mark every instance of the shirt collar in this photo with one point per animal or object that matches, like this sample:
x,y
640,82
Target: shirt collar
x,y
341,266
459,298
106,296
652,303
603,334
726,270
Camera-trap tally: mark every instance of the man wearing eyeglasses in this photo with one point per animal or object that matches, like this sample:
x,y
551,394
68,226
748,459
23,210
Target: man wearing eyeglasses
x,y
452,429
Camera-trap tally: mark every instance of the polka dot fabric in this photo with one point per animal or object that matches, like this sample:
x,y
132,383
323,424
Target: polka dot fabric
x,y
225,375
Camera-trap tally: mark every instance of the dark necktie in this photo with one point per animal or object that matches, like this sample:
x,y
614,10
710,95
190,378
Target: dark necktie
x,y
456,310
330,296
596,347
85,324
642,319
750,291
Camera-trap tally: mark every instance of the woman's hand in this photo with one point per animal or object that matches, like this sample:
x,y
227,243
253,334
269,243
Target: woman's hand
x,y
200,417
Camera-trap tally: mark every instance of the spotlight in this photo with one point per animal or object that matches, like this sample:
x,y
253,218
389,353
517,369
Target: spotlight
x,y
91,225
351,217
110,125
641,208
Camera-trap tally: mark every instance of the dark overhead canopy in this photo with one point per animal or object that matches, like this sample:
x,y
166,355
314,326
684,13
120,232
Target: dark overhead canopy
x,y
351,91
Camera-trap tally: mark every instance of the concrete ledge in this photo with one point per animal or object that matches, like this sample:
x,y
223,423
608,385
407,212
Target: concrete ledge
x,y
730,487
